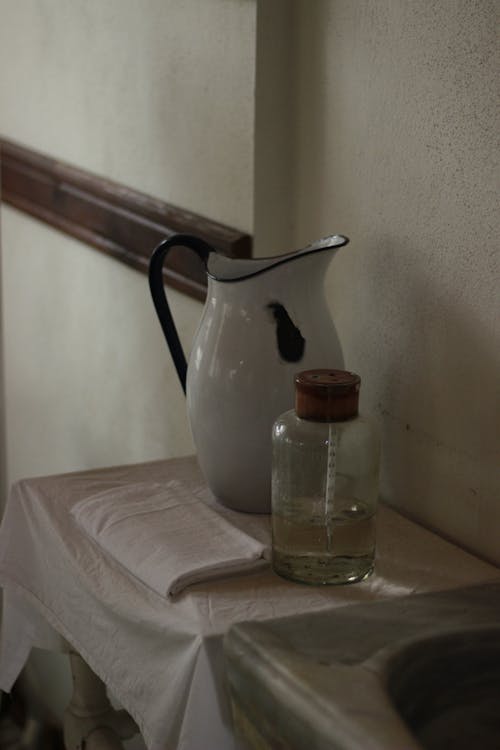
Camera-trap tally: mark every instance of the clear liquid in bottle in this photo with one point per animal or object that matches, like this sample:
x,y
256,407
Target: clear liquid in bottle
x,y
310,548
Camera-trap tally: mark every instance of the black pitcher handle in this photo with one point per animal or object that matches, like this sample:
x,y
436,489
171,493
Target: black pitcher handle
x,y
156,284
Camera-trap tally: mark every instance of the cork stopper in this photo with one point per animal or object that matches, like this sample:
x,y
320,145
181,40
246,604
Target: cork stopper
x,y
327,395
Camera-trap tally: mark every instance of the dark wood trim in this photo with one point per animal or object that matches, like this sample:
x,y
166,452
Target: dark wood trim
x,y
115,219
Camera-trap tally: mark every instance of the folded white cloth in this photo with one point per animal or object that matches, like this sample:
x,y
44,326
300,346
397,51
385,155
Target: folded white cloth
x,y
166,536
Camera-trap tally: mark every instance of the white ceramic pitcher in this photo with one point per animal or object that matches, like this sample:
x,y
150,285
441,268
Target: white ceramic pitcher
x,y
264,320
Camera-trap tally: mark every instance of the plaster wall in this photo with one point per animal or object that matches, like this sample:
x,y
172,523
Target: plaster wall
x,y
395,144
274,128
158,96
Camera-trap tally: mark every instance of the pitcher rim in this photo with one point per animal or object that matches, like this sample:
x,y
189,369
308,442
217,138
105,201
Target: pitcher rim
x,y
267,263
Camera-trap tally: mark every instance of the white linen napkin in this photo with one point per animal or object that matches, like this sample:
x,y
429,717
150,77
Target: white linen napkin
x,y
166,536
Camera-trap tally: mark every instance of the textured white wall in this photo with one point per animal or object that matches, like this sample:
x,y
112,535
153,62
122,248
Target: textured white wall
x,y
88,378
274,128
396,135
159,96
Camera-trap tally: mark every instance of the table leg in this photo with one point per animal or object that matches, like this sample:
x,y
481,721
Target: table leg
x,y
90,721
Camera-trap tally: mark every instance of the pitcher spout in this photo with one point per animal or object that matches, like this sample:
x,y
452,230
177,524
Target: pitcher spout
x,y
222,268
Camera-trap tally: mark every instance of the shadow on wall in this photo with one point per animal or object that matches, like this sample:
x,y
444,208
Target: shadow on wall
x,y
438,391
393,139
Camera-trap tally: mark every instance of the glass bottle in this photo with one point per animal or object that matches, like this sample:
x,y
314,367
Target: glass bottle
x,y
324,482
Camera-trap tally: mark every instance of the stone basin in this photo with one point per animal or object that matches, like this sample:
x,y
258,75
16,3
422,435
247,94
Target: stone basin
x,y
447,688
412,673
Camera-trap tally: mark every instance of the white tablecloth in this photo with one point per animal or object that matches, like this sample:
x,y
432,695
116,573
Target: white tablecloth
x,y
163,659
